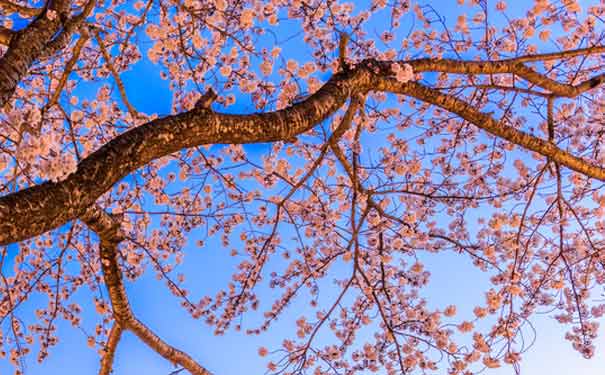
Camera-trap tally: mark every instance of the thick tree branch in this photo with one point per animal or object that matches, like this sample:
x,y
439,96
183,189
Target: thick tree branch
x,y
41,38
168,352
40,208
496,66
37,209
488,123
560,55
513,66
109,234
558,89
26,46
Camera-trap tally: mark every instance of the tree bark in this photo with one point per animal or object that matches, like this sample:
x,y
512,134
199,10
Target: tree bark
x,y
25,47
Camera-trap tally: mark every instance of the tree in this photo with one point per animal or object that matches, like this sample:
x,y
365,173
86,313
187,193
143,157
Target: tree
x,y
389,134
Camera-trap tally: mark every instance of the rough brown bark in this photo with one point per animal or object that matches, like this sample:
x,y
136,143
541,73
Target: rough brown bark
x,y
41,38
6,35
25,47
168,352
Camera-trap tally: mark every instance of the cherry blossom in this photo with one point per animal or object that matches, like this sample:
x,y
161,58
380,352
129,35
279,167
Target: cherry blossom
x,y
332,153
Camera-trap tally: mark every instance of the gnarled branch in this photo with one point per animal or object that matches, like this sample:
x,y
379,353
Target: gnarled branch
x,y
37,209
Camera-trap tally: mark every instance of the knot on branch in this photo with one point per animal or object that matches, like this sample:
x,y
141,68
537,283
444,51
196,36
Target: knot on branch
x,y
206,100
107,226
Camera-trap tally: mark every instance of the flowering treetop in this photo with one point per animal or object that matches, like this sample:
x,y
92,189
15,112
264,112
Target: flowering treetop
x,y
392,133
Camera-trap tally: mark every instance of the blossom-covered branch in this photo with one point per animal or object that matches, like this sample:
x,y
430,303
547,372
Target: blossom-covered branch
x,y
40,208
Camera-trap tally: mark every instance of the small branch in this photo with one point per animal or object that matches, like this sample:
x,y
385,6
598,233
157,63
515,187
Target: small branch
x,y
121,88
550,119
342,50
68,69
110,349
108,230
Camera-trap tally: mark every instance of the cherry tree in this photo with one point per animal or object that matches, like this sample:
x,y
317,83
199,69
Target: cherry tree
x,y
391,132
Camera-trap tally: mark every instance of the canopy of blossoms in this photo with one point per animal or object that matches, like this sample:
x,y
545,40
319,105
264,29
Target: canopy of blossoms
x,y
333,150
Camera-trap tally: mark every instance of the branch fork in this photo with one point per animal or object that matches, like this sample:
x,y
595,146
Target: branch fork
x,y
107,228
